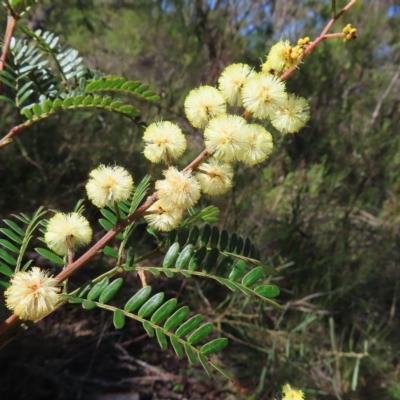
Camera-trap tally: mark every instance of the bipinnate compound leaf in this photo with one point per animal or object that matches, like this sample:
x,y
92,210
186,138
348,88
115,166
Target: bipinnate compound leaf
x,y
98,289
111,290
214,346
151,305
189,325
253,276
176,318
138,299
164,311
118,319
200,333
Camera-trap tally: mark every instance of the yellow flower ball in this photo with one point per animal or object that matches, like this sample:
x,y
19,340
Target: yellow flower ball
x,y
263,94
109,184
215,177
178,189
163,217
202,104
32,294
64,228
163,140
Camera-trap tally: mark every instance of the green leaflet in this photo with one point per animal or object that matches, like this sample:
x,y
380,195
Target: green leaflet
x,y
237,270
162,340
189,325
205,235
177,347
98,289
214,237
214,346
151,305
138,299
164,311
190,355
267,290
171,256
197,258
118,319
200,333
184,256
176,318
223,242
253,276
211,259
110,291
50,255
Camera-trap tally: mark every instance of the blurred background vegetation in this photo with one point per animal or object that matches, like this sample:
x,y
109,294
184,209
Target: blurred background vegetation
x,y
325,208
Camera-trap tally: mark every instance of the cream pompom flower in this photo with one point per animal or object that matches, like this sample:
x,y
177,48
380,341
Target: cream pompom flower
x,y
67,229
291,394
282,56
226,138
32,294
231,82
178,189
107,184
202,104
263,94
164,140
292,115
261,145
215,177
163,217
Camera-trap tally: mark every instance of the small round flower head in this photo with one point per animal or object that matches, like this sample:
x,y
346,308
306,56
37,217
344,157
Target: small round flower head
x,y
202,104
107,184
291,394
225,137
231,82
164,140
261,145
292,115
178,189
283,56
64,228
163,217
215,177
263,94
32,294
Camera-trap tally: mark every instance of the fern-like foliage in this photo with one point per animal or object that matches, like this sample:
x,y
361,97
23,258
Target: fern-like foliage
x,y
45,77
113,83
159,318
14,239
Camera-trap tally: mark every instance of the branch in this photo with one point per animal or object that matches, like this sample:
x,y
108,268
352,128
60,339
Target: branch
x,y
319,39
11,25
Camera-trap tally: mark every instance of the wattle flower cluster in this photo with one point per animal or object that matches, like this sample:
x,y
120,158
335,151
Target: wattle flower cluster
x,y
227,137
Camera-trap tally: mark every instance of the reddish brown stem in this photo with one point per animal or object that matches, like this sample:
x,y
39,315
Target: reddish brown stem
x,y
196,161
11,25
319,39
